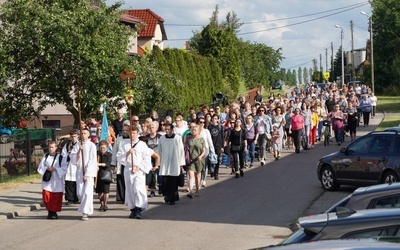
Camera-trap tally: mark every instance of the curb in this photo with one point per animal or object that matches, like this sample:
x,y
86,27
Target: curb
x,y
20,212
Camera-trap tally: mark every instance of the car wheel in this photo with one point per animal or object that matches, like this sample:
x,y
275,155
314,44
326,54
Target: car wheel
x,y
390,177
4,138
328,179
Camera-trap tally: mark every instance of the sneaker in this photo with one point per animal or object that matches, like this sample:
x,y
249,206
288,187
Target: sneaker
x,y
251,165
237,175
105,208
204,184
133,213
85,217
241,173
262,163
101,208
138,214
152,194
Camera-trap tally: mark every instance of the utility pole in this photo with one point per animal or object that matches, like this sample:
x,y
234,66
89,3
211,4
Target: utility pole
x,y
320,62
353,66
332,64
371,40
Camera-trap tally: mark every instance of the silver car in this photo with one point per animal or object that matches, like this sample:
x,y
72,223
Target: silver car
x,y
372,197
348,224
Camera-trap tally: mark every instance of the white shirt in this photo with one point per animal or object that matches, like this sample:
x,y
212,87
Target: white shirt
x,y
56,183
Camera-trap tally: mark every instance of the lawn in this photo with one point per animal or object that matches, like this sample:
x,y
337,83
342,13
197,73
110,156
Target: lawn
x,y
388,104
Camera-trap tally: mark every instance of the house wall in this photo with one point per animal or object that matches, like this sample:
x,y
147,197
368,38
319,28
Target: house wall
x,y
132,46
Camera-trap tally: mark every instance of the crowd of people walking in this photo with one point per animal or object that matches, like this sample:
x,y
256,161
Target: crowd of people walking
x,y
161,154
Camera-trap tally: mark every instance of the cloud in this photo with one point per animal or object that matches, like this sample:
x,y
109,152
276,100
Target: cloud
x,y
300,39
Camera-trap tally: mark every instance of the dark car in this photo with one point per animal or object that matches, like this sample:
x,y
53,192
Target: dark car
x,y
277,85
370,159
371,197
347,224
393,129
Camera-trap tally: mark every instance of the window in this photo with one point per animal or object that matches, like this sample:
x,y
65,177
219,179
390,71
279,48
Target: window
x,y
371,233
360,146
386,202
396,148
51,123
381,144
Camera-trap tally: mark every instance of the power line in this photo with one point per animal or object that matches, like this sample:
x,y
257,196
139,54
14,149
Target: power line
x,y
279,19
306,21
289,25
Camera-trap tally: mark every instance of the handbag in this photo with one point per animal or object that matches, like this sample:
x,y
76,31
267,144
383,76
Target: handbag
x,y
46,176
105,176
213,158
181,180
269,136
188,160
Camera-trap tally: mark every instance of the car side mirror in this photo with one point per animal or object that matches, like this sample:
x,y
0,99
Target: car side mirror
x,y
343,150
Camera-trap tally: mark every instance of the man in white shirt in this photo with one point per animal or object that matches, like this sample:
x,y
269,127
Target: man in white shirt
x,y
86,171
137,161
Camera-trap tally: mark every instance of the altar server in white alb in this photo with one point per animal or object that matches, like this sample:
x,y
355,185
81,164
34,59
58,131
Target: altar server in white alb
x,y
69,152
135,174
52,190
85,174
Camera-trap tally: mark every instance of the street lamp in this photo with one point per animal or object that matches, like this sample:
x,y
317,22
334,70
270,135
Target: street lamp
x,y
371,39
341,45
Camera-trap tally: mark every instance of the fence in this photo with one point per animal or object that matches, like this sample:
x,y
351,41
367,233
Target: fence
x,y
23,152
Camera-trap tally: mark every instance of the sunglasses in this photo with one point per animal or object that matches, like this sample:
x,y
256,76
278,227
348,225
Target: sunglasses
x,y
201,122
162,124
262,110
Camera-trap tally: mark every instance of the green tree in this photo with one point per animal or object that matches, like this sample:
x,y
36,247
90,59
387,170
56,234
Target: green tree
x,y
300,75
386,26
48,45
220,42
305,75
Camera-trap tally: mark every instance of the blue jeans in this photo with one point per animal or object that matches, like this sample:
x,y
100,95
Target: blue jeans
x,y
338,135
251,151
320,126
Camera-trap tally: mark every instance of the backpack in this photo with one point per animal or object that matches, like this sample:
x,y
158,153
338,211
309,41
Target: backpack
x,y
59,158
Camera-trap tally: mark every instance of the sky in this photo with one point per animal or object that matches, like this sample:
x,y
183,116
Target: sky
x,y
301,28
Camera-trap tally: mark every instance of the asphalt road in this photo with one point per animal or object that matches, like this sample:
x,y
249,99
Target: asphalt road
x,y
253,211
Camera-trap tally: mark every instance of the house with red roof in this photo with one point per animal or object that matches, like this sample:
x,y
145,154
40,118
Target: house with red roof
x,y
152,32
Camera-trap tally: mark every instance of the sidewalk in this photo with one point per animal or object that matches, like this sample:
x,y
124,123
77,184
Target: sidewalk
x,y
28,197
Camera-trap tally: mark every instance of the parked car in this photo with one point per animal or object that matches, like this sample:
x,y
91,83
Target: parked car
x,y
379,243
347,224
277,85
4,134
393,129
372,197
370,159
360,83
